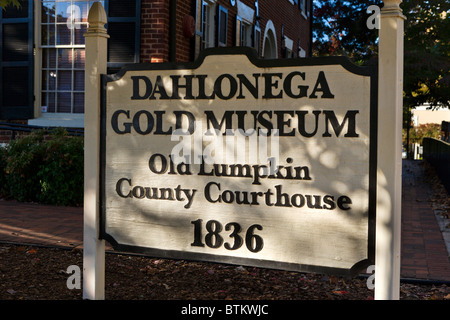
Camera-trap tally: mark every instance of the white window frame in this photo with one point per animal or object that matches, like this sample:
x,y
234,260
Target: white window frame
x,y
50,118
208,38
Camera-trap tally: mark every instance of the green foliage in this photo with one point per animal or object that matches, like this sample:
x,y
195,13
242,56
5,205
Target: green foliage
x,y
340,29
44,168
431,130
9,3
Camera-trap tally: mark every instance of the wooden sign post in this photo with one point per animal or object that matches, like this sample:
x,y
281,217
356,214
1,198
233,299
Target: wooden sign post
x,y
389,189
93,247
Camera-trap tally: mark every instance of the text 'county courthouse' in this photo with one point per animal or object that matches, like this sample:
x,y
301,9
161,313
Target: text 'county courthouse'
x,y
42,47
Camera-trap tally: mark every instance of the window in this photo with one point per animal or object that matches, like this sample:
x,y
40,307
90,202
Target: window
x,y
124,33
16,62
204,25
62,44
63,24
207,25
222,26
257,39
243,32
304,6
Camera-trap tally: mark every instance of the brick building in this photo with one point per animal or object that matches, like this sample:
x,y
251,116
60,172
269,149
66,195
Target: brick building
x,y
42,44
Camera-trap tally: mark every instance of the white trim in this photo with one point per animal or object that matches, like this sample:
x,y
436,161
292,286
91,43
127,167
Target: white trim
x,y
270,27
288,43
66,120
245,12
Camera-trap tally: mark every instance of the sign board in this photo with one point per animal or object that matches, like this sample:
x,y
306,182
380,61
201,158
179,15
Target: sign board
x,y
232,159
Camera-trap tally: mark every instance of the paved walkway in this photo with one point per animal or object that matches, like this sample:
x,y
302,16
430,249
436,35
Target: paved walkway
x,y
424,252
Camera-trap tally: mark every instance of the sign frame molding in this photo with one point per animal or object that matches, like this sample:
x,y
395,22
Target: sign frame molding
x,y
368,71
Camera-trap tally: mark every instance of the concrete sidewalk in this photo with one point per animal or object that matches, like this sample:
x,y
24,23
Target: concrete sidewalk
x,y
424,251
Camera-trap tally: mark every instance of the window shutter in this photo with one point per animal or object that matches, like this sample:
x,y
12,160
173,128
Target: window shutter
x,y
222,26
16,61
238,40
257,39
198,14
124,32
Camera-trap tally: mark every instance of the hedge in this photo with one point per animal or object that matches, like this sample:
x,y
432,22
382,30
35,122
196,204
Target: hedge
x,y
43,168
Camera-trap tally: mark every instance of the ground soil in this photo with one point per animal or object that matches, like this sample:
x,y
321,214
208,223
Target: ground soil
x,y
37,273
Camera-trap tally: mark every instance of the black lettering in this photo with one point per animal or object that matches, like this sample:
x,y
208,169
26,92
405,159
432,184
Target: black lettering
x,y
159,123
302,123
266,123
138,192
253,89
322,85
137,124
115,122
329,202
159,88
316,204
218,87
136,92
179,121
287,85
269,84
176,85
211,120
282,198
152,163
119,188
201,88
281,123
343,201
208,194
298,200
330,117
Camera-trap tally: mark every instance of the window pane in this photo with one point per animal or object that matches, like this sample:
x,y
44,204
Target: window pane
x,y
62,11
52,58
64,102
79,56
122,8
48,34
48,12
222,26
84,10
51,102
44,82
121,43
63,68
65,58
52,80
78,80
64,80
79,31
63,34
78,103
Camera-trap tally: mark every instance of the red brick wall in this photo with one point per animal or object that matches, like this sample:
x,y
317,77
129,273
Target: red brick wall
x,y
183,43
154,30
283,12
155,26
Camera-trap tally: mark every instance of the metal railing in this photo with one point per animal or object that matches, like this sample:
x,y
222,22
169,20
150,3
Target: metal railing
x,y
437,153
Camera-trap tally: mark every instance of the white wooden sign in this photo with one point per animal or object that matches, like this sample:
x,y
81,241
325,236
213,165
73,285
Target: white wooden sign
x,y
269,163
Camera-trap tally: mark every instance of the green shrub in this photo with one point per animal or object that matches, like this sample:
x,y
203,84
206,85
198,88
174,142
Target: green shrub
x,y
45,168
3,158
24,156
